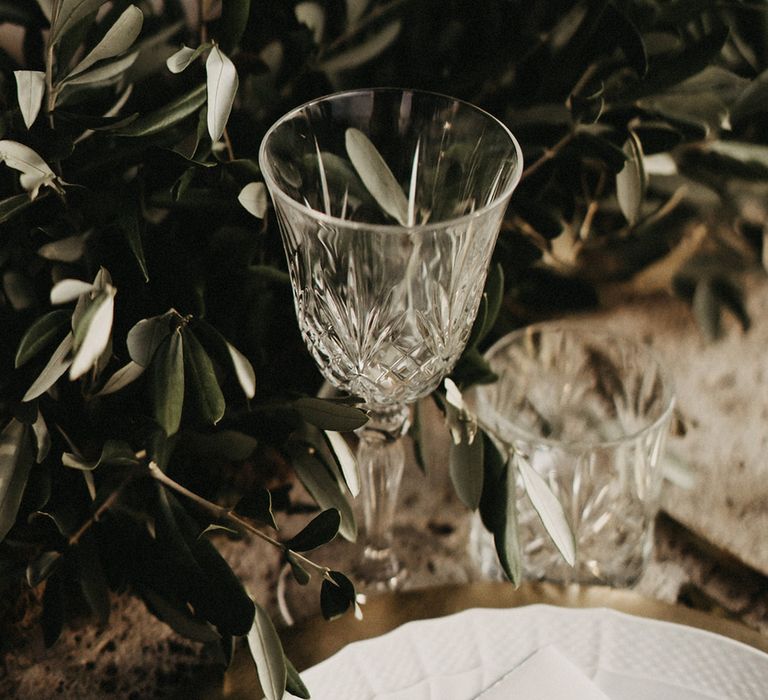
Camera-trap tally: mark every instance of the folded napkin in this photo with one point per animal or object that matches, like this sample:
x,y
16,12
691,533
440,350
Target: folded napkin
x,y
546,675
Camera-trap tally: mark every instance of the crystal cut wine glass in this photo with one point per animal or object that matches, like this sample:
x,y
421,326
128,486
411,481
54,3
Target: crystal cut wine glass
x,y
389,203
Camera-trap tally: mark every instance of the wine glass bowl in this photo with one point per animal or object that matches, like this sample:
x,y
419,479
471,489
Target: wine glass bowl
x,y
389,203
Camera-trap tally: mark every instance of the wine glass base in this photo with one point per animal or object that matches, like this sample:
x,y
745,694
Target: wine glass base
x,y
378,571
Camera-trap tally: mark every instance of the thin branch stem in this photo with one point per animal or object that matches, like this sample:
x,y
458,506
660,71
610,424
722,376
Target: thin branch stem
x,y
222,513
103,508
228,144
364,22
548,155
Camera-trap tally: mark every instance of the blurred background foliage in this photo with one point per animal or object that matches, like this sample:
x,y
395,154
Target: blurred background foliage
x,y
644,125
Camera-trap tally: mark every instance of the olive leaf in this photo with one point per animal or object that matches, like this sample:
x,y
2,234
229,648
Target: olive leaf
x,y
312,16
336,597
41,334
548,508
257,505
355,10
328,415
68,250
267,653
42,437
92,334
253,198
113,452
35,172
293,684
631,180
119,38
362,53
42,566
16,459
376,175
346,460
69,14
244,371
56,367
233,23
706,309
67,290
222,82
300,574
319,531
200,379
105,74
146,336
167,116
465,464
166,381
11,206
317,479
182,59
30,88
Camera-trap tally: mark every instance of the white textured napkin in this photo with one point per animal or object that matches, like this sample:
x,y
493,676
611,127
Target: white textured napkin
x,y
546,675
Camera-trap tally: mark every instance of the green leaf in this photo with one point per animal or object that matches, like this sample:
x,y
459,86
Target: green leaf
x,y
293,684
121,378
166,381
119,38
92,334
200,377
753,100
631,181
41,334
244,371
318,481
376,175
346,460
130,226
319,531
336,598
41,567
299,572
13,205
253,198
181,60
35,172
146,337
105,74
234,20
362,53
67,290
549,509
68,250
258,506
328,415
70,13
16,458
227,354
178,616
473,368
167,116
267,653
114,452
229,444
312,16
493,295
42,439
57,365
222,82
30,89
465,464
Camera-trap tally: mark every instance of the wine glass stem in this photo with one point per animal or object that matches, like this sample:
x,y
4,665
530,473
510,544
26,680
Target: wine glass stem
x,y
381,459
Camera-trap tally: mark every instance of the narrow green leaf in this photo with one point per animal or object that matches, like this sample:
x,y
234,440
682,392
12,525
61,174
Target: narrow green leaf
x,y
16,458
121,378
507,541
130,226
92,334
362,53
182,59
346,460
105,74
67,290
312,16
336,598
222,83
549,509
146,336
178,617
30,88
480,322
68,250
41,567
300,574
319,531
35,172
328,415
119,38
13,205
41,334
57,365
326,491
376,175
202,385
234,20
244,371
70,13
631,181
42,438
294,685
167,116
167,383
253,198
114,452
465,464
267,653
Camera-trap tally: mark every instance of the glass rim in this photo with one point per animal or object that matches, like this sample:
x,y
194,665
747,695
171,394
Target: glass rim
x,y
669,394
276,190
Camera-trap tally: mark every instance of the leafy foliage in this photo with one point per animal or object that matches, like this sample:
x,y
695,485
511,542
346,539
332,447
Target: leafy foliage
x,y
149,342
